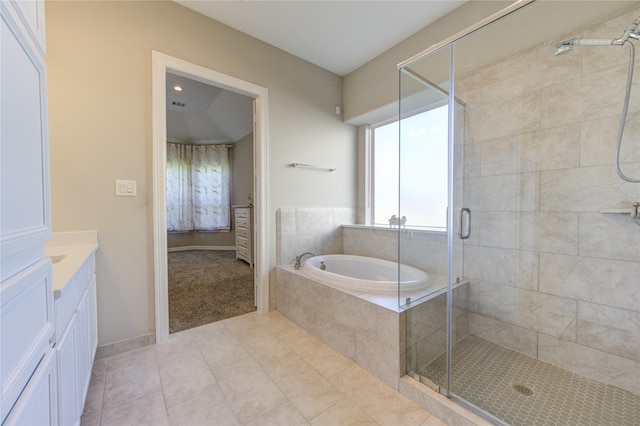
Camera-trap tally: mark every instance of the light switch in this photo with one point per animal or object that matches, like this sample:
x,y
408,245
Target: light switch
x,y
126,188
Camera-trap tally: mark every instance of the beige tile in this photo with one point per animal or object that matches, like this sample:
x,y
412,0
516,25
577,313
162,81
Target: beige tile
x,y
510,267
541,312
284,415
265,347
343,413
147,410
609,236
95,394
309,392
607,282
177,342
324,359
90,419
276,323
184,376
209,408
221,349
550,149
381,361
586,189
248,390
131,376
378,400
433,421
612,330
591,363
511,336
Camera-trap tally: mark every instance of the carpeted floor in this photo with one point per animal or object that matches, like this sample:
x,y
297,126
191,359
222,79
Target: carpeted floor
x,y
207,286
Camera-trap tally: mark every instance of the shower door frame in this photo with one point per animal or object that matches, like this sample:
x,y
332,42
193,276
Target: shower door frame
x,y
451,213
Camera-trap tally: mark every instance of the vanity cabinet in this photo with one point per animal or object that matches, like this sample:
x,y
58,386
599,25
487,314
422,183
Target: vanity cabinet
x,y
244,233
27,331
76,324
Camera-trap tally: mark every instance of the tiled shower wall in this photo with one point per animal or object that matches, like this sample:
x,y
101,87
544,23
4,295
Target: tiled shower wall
x,y
551,276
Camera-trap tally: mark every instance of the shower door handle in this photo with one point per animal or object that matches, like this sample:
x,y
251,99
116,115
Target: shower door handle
x,y
464,232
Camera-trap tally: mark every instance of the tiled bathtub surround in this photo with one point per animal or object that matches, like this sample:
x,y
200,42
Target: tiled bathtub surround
x,y
372,336
551,276
314,229
422,249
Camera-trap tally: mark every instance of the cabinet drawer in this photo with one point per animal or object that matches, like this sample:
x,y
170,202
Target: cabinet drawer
x,y
242,252
242,213
26,320
242,233
242,223
242,243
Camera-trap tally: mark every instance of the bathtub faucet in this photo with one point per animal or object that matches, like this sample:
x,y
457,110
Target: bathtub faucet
x,y
299,259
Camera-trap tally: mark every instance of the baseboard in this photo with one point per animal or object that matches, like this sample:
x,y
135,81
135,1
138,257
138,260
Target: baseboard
x,y
125,345
185,248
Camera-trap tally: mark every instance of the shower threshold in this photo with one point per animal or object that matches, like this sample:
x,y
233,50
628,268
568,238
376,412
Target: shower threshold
x,y
520,390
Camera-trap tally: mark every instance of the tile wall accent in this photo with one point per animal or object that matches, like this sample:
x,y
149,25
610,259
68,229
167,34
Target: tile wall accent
x,y
421,249
372,336
551,276
314,229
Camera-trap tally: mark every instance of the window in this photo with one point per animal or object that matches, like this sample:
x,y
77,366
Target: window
x,y
198,188
414,173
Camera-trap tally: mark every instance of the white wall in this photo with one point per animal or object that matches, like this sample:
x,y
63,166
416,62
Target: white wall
x,y
99,67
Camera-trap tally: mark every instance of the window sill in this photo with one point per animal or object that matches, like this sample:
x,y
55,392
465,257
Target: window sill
x,y
408,229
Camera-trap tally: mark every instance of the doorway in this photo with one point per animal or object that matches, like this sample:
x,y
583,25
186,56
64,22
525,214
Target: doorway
x,y
209,177
162,65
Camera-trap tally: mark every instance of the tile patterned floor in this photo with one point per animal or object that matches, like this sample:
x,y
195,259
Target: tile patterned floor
x,y
250,370
485,375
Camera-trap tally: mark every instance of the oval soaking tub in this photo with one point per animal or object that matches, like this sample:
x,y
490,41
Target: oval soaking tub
x,y
365,274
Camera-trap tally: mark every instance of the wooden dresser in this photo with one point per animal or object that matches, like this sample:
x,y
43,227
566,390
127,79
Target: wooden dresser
x,y
244,233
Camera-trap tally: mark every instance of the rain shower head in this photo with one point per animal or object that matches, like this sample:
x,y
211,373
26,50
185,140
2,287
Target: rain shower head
x,y
567,45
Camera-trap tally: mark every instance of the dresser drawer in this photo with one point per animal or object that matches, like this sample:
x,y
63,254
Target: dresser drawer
x,y
242,223
242,252
242,233
242,242
242,213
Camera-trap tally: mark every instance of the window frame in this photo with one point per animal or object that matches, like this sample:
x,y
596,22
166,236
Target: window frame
x,y
370,153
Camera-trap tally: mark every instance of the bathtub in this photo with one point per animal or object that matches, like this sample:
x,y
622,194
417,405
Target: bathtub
x,y
365,274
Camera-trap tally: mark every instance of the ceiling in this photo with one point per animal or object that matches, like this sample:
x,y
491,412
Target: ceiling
x,y
204,114
339,36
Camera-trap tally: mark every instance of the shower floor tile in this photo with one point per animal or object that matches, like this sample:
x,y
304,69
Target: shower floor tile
x,y
521,390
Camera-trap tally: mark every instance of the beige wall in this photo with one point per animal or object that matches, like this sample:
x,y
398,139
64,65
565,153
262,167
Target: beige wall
x,y
242,170
375,85
99,71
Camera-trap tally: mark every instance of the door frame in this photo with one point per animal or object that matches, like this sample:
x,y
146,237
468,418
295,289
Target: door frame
x,y
161,64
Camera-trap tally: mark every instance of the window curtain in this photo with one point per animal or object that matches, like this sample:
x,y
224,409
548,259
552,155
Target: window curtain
x,y
198,187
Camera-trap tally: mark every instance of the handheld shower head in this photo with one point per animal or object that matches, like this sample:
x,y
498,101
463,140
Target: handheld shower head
x,y
563,47
567,45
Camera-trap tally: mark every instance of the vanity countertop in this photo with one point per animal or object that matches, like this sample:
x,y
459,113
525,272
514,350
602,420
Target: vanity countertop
x,y
69,251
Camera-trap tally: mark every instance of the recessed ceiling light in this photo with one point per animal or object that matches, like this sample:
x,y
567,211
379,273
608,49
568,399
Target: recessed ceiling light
x,y
177,88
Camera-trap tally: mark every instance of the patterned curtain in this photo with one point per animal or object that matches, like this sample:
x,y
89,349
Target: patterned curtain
x,y
198,187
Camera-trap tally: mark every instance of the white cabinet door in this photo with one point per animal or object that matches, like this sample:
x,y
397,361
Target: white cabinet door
x,y
26,328
67,377
38,404
82,352
24,164
93,320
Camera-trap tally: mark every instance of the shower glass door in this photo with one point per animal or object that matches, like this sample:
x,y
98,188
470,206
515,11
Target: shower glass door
x,y
429,157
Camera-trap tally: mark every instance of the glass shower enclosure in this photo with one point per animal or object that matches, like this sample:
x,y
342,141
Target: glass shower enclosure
x,y
533,313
